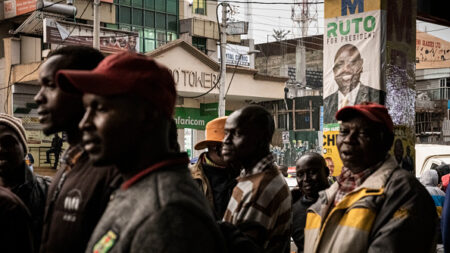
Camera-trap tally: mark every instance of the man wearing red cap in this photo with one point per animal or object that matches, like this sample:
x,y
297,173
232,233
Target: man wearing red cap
x,y
129,101
375,205
210,171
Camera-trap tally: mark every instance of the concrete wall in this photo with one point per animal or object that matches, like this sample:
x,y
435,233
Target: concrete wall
x,y
31,49
276,65
186,11
107,11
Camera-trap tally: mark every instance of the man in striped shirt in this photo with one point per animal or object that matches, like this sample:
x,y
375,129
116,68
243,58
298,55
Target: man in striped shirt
x,y
260,205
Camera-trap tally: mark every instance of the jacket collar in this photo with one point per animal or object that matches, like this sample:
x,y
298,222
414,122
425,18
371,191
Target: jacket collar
x,y
376,181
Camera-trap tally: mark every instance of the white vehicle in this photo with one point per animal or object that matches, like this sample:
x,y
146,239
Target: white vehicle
x,y
430,156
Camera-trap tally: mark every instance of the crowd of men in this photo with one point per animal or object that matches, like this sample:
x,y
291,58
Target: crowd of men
x,y
124,186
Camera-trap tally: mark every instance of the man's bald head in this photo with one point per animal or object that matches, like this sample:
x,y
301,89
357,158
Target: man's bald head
x,y
258,120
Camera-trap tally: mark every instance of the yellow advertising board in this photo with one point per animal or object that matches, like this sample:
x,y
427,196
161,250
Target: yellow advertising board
x,y
330,151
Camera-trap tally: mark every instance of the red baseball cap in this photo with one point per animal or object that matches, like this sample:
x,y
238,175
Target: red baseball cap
x,y
125,73
372,111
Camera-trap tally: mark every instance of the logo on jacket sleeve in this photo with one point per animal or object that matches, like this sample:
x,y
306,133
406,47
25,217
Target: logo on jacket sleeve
x,y
106,242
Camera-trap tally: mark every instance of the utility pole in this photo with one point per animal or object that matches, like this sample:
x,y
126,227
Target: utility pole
x,y
223,59
96,37
305,14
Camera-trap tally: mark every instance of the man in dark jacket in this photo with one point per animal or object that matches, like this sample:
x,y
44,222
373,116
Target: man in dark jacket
x,y
80,192
312,177
129,101
15,224
15,174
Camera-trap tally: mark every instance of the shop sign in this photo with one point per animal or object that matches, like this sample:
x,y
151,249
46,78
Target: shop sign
x,y
209,109
237,28
14,8
431,52
194,78
191,118
236,55
68,33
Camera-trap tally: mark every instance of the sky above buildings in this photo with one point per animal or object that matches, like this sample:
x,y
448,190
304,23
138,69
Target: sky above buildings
x,y
278,15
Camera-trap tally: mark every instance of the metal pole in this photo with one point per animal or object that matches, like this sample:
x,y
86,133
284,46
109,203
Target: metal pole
x,y
96,43
223,64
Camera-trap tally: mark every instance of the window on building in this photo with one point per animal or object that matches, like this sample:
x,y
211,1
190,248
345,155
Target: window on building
x,y
156,21
160,21
172,6
125,15
172,23
160,38
136,3
199,43
199,7
444,88
137,17
149,4
160,5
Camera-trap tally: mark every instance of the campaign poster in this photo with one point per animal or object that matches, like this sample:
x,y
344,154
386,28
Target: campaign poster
x,y
403,148
329,150
352,55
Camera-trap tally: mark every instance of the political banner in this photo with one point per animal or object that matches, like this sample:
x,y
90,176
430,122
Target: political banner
x,y
403,148
352,55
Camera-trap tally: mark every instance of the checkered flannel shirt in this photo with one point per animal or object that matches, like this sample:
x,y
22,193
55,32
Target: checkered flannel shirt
x,y
260,166
348,182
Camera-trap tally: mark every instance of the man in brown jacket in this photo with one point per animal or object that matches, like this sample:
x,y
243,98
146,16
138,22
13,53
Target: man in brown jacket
x,y
215,179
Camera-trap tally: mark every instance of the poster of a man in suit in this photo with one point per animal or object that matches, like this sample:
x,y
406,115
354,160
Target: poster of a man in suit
x,y
347,70
352,62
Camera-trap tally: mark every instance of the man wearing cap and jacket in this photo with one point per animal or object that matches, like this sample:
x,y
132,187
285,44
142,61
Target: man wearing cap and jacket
x,y
210,171
129,101
375,205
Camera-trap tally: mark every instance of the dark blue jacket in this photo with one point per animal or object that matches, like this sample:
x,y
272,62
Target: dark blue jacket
x,y
445,222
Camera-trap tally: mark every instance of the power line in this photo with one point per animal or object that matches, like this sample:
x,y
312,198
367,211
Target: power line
x,y
275,3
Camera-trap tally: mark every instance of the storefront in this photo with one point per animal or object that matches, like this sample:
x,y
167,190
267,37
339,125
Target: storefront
x,y
196,75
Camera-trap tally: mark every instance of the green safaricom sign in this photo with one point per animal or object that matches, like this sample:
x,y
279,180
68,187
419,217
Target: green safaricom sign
x,y
191,118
